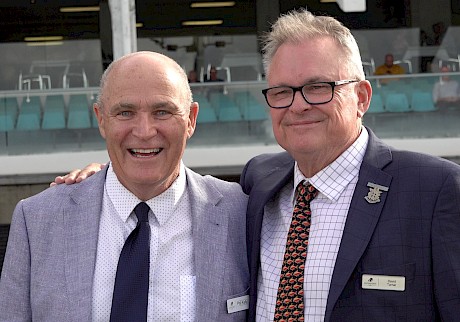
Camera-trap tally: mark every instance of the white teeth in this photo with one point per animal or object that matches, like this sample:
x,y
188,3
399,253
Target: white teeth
x,y
145,150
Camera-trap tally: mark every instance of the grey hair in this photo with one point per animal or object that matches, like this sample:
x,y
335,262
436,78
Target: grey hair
x,y
298,25
180,71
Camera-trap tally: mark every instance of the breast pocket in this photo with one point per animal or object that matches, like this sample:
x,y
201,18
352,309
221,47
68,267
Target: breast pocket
x,y
355,294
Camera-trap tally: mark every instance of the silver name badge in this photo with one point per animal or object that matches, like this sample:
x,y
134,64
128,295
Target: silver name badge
x,y
238,304
375,190
383,282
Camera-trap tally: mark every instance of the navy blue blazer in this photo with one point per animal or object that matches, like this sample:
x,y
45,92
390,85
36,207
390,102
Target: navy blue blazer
x,y
414,231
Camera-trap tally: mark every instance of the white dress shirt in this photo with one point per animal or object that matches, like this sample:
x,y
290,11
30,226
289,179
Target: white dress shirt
x,y
445,89
172,270
336,184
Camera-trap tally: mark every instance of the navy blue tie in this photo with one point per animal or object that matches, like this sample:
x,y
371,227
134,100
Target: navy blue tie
x,y
130,294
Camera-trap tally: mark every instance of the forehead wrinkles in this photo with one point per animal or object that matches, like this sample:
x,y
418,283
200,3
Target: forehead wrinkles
x,y
139,79
289,68
316,59
158,76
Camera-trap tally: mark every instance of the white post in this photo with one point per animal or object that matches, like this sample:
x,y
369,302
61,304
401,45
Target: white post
x,y
124,35
352,5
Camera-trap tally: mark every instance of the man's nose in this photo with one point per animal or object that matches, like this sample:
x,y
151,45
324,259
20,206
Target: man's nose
x,y
299,104
146,126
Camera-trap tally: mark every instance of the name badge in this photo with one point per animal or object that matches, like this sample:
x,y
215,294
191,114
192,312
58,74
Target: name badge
x,y
383,282
238,304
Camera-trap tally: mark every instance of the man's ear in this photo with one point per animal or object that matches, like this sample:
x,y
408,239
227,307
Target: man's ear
x,y
100,121
194,108
364,97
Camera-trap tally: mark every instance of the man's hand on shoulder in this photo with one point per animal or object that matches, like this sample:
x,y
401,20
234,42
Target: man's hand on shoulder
x,y
78,175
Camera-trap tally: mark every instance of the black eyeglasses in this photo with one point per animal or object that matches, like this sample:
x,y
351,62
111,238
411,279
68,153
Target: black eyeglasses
x,y
313,93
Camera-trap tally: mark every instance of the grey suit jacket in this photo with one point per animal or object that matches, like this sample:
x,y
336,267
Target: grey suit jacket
x,y
50,258
413,231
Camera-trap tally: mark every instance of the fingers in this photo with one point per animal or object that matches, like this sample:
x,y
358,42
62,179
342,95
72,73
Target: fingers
x,y
57,180
78,175
69,178
88,171
75,176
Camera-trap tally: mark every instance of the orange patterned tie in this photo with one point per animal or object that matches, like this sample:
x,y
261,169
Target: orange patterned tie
x,y
289,301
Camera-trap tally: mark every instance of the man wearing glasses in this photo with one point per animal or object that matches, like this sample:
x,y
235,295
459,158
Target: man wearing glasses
x,y
342,227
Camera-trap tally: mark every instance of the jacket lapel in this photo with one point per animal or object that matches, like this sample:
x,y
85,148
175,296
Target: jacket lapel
x,y
81,225
210,233
362,217
264,189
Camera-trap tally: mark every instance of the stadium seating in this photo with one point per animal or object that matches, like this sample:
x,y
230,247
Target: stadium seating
x,y
397,102
79,114
54,113
376,105
250,107
422,102
8,113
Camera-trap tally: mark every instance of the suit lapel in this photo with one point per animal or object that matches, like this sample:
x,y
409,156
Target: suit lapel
x,y
210,233
81,225
264,189
362,218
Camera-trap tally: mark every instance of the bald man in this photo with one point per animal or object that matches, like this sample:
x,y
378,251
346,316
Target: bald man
x,y
65,243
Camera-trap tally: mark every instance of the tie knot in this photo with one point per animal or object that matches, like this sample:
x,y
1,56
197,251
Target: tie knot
x,y
308,191
142,212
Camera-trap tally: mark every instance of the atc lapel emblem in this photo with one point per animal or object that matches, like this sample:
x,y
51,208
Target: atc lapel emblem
x,y
374,193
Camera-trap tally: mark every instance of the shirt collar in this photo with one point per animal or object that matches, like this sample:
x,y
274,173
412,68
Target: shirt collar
x,y
333,179
162,206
